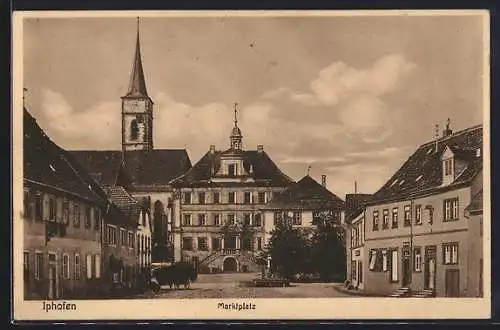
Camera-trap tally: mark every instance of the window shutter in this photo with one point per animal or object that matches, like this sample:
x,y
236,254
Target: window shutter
x,y
389,263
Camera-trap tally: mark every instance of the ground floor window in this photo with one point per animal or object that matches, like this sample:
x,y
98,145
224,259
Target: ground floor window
x,y
384,260
202,244
89,266
215,244
97,261
373,259
394,265
187,243
450,253
77,266
39,265
65,266
417,259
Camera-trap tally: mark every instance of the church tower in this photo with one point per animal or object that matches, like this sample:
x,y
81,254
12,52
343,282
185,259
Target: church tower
x,y
137,108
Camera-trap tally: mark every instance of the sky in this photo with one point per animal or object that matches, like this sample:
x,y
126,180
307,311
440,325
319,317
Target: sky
x,y
352,97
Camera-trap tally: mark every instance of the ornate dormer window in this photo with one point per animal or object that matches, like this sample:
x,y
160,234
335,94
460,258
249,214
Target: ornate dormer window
x,y
448,166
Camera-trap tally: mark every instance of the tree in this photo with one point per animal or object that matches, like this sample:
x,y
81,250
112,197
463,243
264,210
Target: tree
x,y
328,252
289,250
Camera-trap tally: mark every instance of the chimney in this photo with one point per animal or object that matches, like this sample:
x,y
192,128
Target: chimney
x,y
260,148
447,131
355,187
212,149
323,180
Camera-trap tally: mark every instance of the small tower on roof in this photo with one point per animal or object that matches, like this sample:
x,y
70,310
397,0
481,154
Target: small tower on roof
x,y
137,107
236,136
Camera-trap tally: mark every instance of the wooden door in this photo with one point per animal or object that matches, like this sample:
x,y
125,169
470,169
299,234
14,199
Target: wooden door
x,y
452,283
406,272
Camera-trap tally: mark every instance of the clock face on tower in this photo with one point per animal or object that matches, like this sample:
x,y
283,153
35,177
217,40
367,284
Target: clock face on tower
x,y
134,105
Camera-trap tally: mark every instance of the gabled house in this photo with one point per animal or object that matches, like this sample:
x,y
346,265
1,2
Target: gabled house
x,y
417,237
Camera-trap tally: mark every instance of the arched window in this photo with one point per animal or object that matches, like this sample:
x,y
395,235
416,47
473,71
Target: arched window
x,y
134,130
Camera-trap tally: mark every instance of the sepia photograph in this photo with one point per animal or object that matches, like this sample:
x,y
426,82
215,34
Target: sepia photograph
x,y
251,165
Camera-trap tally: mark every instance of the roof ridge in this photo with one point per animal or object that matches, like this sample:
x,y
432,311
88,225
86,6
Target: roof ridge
x,y
453,135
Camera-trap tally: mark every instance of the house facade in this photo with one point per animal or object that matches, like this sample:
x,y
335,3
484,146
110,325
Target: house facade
x,y
218,224
141,169
62,222
417,236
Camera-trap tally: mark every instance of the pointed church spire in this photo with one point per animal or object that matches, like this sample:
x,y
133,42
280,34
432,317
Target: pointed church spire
x,y
137,85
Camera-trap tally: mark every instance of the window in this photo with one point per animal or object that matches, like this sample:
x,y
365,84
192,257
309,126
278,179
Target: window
x,y
77,266
384,260
259,243
232,198
201,197
52,209
269,196
111,235
216,219
89,266
278,217
39,265
201,220
231,219
448,166
373,259
375,220
247,219
481,226
26,265
257,220
123,237
246,244
202,244
247,197
297,218
27,207
395,217
418,214
394,266
87,217
216,197
187,243
76,215
262,197
97,261
65,267
417,259
215,244
450,253
65,212
187,198
134,130
38,207
450,209
360,275
131,239
353,270
231,169
186,220
97,218
385,219
407,215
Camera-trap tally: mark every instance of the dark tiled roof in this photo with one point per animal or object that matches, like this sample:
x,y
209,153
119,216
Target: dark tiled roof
x,y
476,205
264,171
142,167
422,172
46,163
306,194
354,205
127,204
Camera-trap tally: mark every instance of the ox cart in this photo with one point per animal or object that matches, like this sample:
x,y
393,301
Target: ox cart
x,y
179,273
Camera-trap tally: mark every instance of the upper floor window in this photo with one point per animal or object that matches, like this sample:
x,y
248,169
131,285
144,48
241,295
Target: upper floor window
x,y
202,220
186,220
231,219
297,218
376,220
278,217
261,196
97,218
65,211
448,166
232,197
134,130
247,197
232,169
407,215
395,217
385,219
450,211
52,209
417,259
247,219
450,253
187,198
38,207
87,217
201,197
216,219
418,214
111,235
216,197
257,221
123,237
76,215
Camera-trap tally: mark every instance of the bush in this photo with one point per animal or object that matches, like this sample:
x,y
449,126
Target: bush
x,y
347,283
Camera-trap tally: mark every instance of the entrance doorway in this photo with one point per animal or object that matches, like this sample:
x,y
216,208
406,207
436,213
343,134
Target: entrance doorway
x,y
230,265
406,272
430,268
52,294
230,242
452,283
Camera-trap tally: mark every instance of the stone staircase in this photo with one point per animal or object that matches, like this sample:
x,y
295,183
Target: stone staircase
x,y
426,293
408,293
401,292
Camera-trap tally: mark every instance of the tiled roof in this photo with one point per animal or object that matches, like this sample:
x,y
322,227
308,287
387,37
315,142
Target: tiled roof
x,y
354,205
422,172
137,85
306,194
264,171
476,205
46,163
142,167
127,204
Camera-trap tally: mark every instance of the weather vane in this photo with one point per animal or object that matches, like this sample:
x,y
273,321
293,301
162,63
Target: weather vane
x,y
235,113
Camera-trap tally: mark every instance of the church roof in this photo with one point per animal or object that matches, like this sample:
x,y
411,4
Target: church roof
x,y
142,167
263,170
306,194
48,164
422,172
137,84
